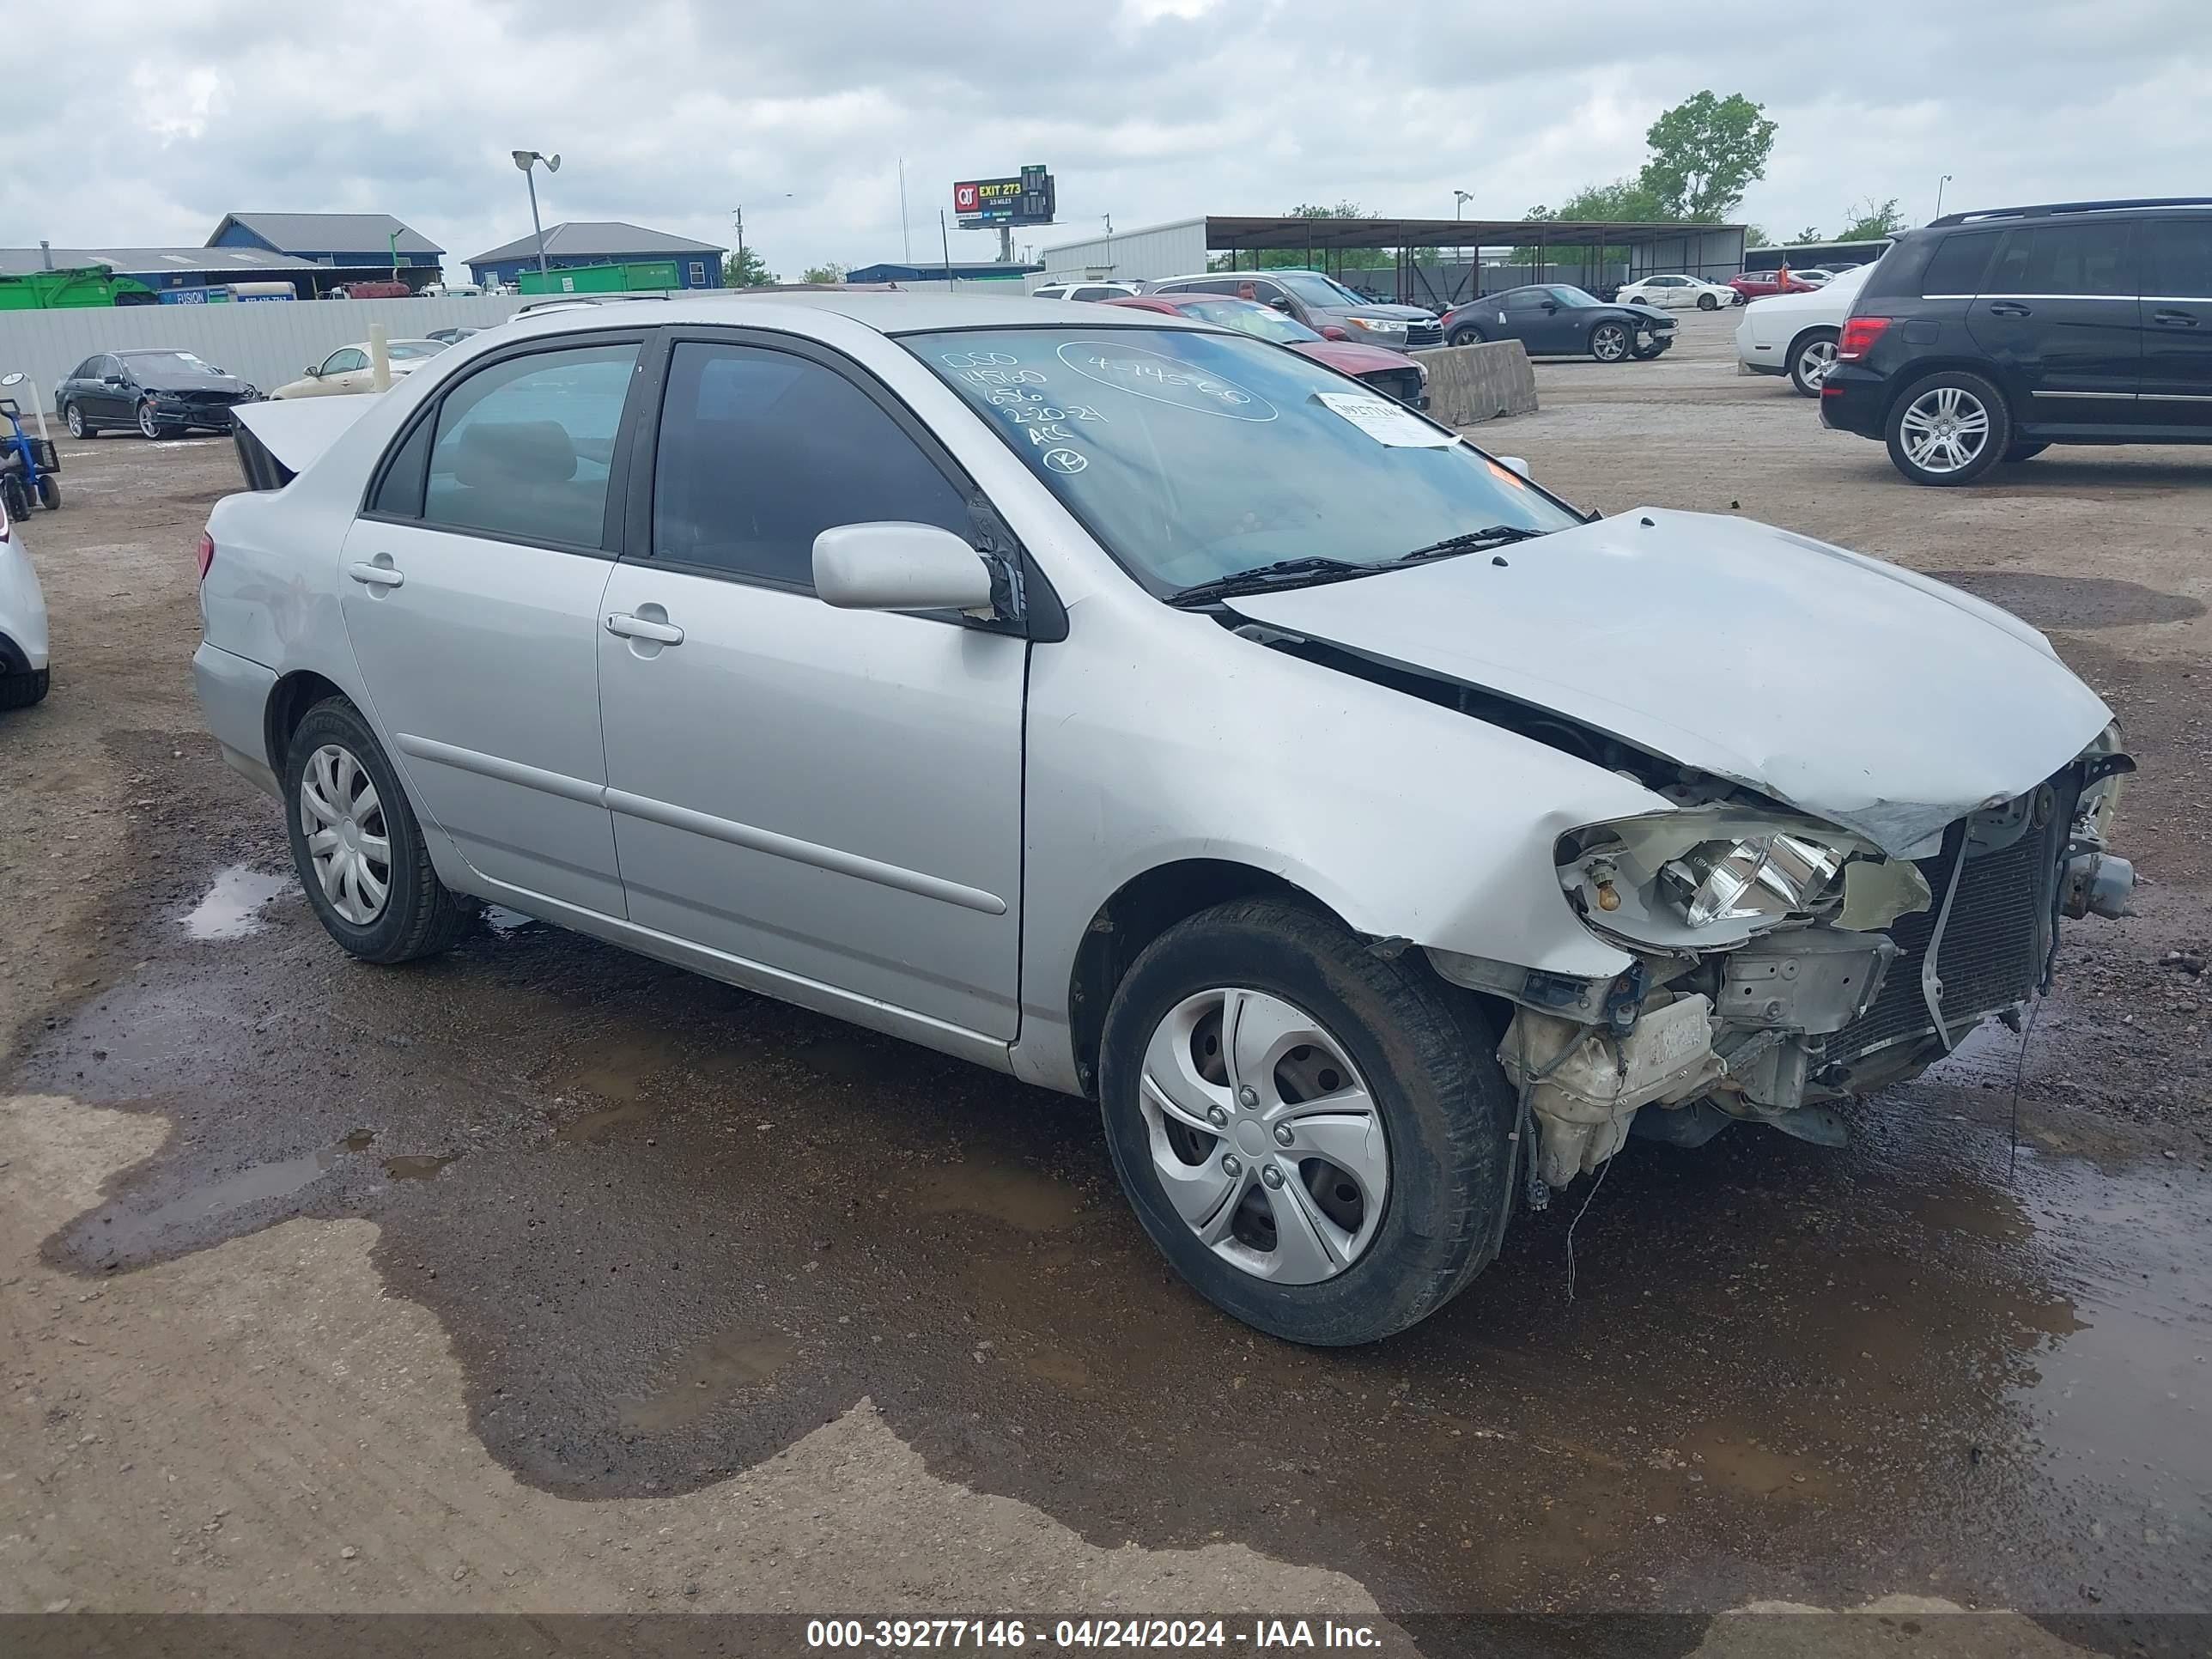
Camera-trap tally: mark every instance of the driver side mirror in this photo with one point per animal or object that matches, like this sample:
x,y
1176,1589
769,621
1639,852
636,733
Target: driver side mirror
x,y
112,379
1551,305
1280,304
893,566
1331,331
313,371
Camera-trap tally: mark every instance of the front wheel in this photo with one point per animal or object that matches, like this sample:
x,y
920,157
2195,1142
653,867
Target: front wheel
x,y
1318,1139
1707,302
1610,342
148,426
50,492
14,499
357,845
78,426
1467,334
1810,359
1948,429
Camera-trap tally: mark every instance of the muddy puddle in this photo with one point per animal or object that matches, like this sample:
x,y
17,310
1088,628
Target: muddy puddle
x,y
728,1365
232,907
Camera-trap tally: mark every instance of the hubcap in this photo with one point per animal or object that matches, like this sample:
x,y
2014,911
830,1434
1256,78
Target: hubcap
x,y
146,421
1264,1135
75,421
1815,362
347,842
1610,343
1945,429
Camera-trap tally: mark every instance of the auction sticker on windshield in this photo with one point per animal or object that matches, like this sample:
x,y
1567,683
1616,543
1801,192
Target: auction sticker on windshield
x,y
1164,380
1385,422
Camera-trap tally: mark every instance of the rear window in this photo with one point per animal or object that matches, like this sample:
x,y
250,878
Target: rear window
x,y
1958,263
2063,258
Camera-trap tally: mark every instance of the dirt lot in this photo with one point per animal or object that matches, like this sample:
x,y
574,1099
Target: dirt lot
x,y
544,1278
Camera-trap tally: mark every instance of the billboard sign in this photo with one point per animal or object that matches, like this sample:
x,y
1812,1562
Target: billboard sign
x,y
1027,198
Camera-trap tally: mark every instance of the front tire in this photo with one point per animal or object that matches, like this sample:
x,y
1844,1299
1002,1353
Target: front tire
x,y
1812,354
1317,1138
357,845
1707,302
78,426
50,492
1610,342
1948,429
148,425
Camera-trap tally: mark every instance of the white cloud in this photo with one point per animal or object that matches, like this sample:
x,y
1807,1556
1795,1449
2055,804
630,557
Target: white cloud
x,y
672,113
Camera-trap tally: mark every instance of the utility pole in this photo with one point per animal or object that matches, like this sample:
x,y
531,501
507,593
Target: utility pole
x,y
945,241
1940,183
527,159
906,226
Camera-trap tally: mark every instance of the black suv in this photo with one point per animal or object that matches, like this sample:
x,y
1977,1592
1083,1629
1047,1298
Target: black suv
x,y
1984,337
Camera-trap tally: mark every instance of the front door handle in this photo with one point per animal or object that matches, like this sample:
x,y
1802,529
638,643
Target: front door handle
x,y
374,575
2009,308
644,628
2173,319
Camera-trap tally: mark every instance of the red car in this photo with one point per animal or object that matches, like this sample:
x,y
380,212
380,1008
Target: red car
x,y
1391,373
1758,284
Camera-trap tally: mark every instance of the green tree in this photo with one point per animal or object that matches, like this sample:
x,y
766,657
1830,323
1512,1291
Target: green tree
x,y
1625,201
1754,237
1873,222
1705,152
746,269
1810,233
831,272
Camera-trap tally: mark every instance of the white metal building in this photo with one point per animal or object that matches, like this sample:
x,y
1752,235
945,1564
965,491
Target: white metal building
x,y
1127,256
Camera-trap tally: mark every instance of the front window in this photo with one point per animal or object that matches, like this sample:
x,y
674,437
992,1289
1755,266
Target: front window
x,y
1248,317
1572,296
1193,456
168,362
1317,290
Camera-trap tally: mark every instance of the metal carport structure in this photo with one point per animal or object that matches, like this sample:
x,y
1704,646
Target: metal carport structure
x,y
1713,251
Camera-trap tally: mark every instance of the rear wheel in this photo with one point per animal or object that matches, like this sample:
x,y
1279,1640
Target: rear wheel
x,y
357,845
78,426
1467,334
1317,1138
21,690
1707,302
1812,354
1610,342
1948,429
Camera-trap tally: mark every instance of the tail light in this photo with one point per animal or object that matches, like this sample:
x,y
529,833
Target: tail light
x,y
1859,335
206,553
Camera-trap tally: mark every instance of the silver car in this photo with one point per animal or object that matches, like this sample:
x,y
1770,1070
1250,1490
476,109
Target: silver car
x,y
1152,714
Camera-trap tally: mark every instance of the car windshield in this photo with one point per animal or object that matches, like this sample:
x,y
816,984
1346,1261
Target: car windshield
x,y
1249,317
1192,455
167,363
415,348
1317,290
1574,296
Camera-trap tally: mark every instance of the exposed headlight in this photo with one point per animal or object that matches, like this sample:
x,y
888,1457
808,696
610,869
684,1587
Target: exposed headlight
x,y
1769,875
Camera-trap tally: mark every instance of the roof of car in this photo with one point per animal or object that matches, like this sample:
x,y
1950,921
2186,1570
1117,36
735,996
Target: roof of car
x,y
884,312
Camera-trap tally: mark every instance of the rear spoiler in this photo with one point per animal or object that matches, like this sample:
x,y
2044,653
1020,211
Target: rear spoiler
x,y
278,440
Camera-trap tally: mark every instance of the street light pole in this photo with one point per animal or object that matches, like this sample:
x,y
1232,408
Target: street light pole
x,y
526,160
1940,183
1460,199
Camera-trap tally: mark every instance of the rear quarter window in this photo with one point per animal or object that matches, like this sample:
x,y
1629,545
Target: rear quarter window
x,y
1958,263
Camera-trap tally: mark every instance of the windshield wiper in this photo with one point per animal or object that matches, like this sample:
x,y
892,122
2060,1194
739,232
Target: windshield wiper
x,y
1496,535
1283,573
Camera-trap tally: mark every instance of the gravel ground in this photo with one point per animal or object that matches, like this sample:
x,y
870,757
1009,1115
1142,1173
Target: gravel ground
x,y
544,1278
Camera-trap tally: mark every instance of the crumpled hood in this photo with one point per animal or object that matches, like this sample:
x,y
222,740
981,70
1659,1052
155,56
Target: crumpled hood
x,y
1853,691
177,379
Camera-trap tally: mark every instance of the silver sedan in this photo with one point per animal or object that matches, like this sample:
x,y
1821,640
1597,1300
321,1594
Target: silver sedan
x,y
1153,714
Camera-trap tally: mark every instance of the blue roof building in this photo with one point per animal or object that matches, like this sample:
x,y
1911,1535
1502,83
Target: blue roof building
x,y
601,242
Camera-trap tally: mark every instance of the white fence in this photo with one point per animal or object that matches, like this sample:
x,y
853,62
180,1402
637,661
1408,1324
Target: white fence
x,y
267,342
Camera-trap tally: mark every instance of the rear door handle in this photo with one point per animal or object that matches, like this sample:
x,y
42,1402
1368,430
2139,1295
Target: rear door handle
x,y
641,627
2173,319
374,575
2009,308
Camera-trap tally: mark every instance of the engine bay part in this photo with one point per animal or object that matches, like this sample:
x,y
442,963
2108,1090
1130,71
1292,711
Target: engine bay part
x,y
1586,1085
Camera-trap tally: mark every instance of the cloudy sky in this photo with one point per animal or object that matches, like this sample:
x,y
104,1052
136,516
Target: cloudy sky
x,y
672,113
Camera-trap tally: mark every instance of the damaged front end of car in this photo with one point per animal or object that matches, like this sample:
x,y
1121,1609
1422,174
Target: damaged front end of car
x,y
1782,963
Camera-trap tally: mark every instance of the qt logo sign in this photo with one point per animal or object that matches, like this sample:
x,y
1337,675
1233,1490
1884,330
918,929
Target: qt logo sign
x,y
964,198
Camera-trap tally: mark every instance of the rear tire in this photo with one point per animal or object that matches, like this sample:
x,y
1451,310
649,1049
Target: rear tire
x,y
21,690
73,418
2023,450
1467,334
1432,1086
1948,429
417,914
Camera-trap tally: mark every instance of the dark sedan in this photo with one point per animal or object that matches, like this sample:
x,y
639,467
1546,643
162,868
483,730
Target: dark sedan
x,y
1555,321
157,394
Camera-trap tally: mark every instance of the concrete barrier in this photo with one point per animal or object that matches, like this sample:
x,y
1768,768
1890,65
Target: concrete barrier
x,y
1472,383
